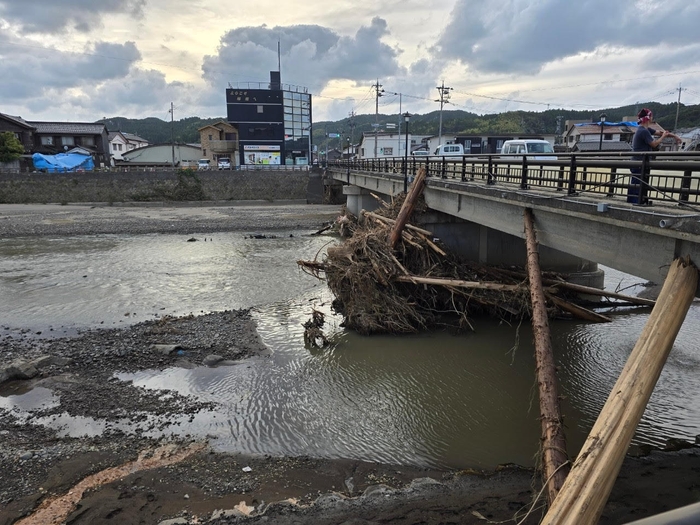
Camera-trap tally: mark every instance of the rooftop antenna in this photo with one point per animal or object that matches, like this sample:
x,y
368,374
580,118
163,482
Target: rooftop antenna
x,y
279,56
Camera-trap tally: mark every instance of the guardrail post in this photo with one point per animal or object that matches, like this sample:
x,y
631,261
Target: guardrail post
x,y
523,177
443,168
572,175
560,182
644,183
584,178
414,166
685,185
490,178
464,169
613,177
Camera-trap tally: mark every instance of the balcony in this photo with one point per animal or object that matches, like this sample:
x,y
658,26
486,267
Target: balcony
x,y
223,146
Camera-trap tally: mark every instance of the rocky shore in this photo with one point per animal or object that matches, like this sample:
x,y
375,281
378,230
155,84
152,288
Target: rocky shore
x,y
119,477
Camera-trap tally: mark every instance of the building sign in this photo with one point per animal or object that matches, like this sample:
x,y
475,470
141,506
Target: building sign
x,y
261,154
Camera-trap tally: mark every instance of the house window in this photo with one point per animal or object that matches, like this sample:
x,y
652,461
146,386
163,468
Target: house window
x,y
608,136
388,151
114,147
47,141
211,137
67,141
260,109
119,146
363,151
87,141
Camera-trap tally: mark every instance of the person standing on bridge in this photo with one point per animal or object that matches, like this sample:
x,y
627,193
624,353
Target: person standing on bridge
x,y
644,140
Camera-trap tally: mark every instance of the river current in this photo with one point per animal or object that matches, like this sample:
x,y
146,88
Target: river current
x,y
433,399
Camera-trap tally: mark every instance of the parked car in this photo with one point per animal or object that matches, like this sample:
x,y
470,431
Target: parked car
x,y
224,163
203,164
541,149
449,150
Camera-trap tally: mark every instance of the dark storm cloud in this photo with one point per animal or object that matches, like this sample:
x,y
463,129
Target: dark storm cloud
x,y
521,36
56,16
248,53
31,71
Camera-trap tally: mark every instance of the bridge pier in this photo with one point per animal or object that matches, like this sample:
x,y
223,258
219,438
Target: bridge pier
x,y
359,199
480,243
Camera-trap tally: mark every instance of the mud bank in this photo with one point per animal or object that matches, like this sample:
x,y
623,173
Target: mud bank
x,y
39,465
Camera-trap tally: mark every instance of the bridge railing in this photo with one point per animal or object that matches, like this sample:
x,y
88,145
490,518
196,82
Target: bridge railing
x,y
671,177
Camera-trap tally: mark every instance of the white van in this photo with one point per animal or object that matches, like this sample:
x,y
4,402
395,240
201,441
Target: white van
x,y
534,148
449,150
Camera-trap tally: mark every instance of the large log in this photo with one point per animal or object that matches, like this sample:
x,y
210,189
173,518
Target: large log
x,y
589,290
583,496
407,207
457,283
554,456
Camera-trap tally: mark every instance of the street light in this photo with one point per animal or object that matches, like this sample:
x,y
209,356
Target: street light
x,y
602,123
406,118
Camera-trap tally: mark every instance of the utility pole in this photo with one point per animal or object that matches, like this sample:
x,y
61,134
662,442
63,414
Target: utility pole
x,y
678,107
377,87
172,131
444,93
351,123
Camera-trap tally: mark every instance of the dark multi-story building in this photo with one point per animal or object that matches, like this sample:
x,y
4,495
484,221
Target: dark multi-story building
x,y
273,122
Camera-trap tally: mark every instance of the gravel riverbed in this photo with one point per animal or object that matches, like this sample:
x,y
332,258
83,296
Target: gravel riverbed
x,y
39,465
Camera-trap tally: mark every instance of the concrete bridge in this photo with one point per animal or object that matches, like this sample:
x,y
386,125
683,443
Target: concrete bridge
x,y
580,204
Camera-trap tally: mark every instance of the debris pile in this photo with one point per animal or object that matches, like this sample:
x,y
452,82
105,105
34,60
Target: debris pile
x,y
416,284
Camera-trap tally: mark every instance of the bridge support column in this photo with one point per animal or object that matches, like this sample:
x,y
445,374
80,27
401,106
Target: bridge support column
x,y
359,199
488,246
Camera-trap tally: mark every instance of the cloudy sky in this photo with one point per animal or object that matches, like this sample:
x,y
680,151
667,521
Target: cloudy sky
x,y
87,59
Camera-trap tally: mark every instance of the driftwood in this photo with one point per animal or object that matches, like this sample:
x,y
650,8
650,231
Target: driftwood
x,y
554,456
457,283
391,222
408,206
588,290
577,310
586,490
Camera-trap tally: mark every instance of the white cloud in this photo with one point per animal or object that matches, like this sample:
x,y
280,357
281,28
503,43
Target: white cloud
x,y
61,58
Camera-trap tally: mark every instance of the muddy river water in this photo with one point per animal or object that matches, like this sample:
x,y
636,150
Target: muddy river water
x,y
434,399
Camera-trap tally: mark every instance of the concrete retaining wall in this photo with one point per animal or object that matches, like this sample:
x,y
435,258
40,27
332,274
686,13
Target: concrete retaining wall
x,y
165,185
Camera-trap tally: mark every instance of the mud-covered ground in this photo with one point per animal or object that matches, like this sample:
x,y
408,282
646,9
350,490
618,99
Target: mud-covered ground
x,y
40,469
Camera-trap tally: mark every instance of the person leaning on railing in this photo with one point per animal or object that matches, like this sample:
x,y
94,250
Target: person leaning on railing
x,y
644,140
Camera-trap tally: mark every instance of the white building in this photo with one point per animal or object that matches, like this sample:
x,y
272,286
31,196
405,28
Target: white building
x,y
120,143
387,144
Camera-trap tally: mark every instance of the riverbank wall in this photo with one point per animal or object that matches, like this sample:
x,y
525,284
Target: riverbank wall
x,y
162,185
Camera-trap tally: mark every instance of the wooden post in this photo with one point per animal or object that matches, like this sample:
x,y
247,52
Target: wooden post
x,y
554,456
407,208
583,496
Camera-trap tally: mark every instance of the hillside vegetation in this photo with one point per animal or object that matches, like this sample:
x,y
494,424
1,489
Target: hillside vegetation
x,y
158,131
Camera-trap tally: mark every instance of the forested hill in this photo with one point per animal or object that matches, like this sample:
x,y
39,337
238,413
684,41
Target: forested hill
x,y
158,131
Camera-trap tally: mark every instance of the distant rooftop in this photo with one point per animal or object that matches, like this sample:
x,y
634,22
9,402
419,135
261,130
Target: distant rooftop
x,y
267,85
80,128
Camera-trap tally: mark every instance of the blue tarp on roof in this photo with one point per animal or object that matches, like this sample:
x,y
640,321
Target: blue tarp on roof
x,y
630,124
63,162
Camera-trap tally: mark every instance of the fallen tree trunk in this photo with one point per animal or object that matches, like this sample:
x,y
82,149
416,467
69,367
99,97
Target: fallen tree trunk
x,y
391,222
586,490
588,290
554,456
456,283
578,310
408,206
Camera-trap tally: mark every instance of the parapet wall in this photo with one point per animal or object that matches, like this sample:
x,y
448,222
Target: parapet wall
x,y
162,185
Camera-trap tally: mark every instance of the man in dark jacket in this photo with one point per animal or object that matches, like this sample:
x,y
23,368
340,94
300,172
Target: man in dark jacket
x,y
644,140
